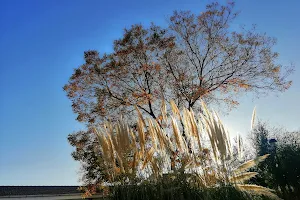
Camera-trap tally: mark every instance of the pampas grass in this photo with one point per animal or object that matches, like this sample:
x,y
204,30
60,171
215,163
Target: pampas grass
x,y
257,190
241,178
251,163
253,118
151,152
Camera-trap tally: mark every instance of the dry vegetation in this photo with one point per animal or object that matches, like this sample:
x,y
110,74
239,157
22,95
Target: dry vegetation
x,y
198,149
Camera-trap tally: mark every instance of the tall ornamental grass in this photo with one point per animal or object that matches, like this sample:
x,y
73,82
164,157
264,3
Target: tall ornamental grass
x,y
181,156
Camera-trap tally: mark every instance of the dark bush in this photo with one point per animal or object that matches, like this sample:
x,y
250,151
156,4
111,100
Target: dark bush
x,y
281,171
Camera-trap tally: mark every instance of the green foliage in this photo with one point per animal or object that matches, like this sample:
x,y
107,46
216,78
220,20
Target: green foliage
x,y
260,140
281,171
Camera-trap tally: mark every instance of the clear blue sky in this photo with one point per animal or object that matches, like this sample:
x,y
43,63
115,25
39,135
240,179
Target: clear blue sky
x,y
42,41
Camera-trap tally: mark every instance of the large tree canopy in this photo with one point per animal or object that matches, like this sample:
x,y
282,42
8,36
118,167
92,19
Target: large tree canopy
x,y
196,57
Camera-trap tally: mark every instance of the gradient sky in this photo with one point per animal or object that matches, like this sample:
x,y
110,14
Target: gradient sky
x,y
42,41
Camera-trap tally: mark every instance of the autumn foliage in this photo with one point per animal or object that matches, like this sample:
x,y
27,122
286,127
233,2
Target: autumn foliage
x,y
196,57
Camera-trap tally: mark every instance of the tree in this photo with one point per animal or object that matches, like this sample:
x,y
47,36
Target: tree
x,y
195,57
281,170
91,169
212,61
259,139
112,85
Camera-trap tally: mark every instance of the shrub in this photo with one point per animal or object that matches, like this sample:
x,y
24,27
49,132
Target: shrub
x,y
281,171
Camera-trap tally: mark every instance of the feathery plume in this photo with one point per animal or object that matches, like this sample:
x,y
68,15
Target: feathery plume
x,y
253,118
242,177
249,164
